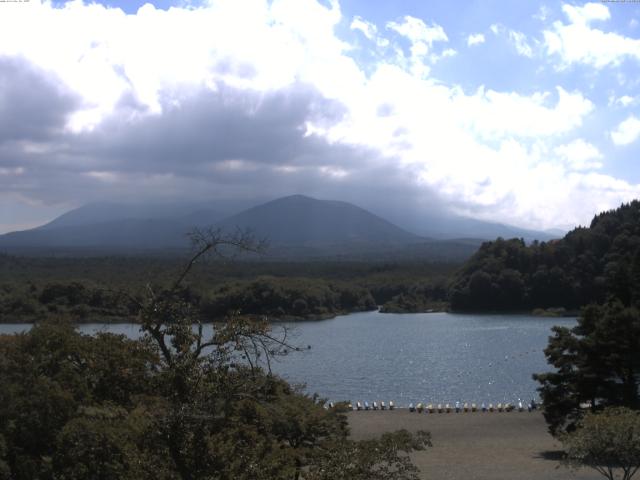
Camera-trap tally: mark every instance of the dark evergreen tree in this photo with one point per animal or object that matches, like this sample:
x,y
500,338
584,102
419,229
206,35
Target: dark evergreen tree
x,y
597,364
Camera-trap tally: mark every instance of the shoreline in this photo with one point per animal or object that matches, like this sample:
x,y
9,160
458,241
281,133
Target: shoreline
x,y
313,318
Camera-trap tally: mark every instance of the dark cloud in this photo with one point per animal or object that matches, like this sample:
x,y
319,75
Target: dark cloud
x,y
208,127
228,144
32,106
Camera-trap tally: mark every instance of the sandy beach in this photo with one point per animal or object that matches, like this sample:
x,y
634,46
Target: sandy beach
x,y
476,446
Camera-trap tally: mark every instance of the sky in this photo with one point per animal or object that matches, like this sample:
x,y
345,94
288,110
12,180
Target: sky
x,y
526,113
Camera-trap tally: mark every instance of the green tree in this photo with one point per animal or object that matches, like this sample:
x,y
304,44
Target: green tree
x,y
597,364
98,444
377,459
608,442
5,471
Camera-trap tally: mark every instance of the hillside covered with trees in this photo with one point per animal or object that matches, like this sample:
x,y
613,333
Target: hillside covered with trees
x,y
588,265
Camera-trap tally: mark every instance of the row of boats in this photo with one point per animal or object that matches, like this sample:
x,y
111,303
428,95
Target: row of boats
x,y
447,408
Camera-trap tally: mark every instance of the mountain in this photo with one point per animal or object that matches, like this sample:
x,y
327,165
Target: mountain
x,y
111,227
296,226
298,220
128,234
112,213
449,226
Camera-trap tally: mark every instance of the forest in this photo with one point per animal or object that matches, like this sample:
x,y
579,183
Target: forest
x,y
589,265
101,289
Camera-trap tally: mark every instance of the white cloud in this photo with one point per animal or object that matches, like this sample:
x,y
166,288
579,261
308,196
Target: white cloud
x,y
103,53
475,39
369,30
587,13
515,38
417,31
422,37
578,42
499,114
447,52
542,14
628,131
580,155
626,100
623,101
519,41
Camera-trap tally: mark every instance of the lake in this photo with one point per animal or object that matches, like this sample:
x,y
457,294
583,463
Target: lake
x,y
428,357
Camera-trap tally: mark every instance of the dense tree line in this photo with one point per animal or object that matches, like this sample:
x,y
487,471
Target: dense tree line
x,y
90,289
277,298
421,296
286,298
75,301
588,265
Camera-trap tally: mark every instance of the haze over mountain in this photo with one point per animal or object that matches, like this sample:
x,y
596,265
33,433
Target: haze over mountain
x,y
301,220
297,225
453,226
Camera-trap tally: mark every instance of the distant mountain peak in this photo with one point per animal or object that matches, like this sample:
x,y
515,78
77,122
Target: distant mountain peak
x,y
302,220
292,222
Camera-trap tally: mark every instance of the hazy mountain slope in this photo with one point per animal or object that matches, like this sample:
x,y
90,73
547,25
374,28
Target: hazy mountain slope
x,y
292,221
300,220
453,226
296,226
98,213
117,234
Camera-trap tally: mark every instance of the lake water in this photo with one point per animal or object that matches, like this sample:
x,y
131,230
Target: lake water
x,y
432,357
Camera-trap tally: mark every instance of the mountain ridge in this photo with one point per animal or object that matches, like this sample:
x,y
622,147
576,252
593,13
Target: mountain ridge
x,y
299,223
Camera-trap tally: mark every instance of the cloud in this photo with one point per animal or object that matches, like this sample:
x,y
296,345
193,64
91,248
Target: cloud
x,y
32,106
417,30
542,14
519,41
587,13
448,52
580,155
475,39
106,54
577,42
271,101
623,101
421,37
369,30
495,115
627,132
